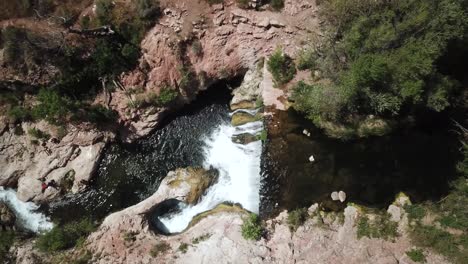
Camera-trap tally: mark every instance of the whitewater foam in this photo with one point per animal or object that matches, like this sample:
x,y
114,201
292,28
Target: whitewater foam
x,y
239,174
26,212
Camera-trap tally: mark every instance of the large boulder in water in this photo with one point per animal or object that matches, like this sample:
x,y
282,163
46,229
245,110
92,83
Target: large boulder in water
x,y
192,181
7,217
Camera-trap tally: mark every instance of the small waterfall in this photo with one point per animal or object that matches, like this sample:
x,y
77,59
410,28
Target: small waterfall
x,y
239,174
26,213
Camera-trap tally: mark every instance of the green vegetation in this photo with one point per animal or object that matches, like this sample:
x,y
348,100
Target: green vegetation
x,y
297,218
385,58
201,238
452,246
66,236
197,47
166,95
415,212
252,228
263,136
129,236
452,215
282,67
6,241
37,133
259,102
380,227
160,248
183,248
416,255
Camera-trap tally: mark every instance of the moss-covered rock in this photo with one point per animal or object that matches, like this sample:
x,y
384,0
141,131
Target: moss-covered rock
x,y
243,105
244,138
198,180
242,118
359,128
221,208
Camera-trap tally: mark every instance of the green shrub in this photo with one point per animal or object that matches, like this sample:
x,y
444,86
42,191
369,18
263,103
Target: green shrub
x,y
159,248
415,212
201,238
307,59
104,11
19,113
166,95
320,102
64,237
39,134
381,227
129,236
52,107
183,248
297,218
416,255
252,228
371,50
147,9
263,135
281,67
6,241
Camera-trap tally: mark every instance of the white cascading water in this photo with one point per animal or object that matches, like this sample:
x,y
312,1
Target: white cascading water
x,y
239,174
26,212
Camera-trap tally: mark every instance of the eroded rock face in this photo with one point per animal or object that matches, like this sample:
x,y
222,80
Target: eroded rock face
x,y
219,42
24,159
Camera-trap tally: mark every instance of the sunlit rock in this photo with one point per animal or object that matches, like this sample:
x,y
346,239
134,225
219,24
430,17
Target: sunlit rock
x,y
334,196
342,196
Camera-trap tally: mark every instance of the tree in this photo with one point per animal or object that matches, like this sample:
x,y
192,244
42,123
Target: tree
x,y
282,67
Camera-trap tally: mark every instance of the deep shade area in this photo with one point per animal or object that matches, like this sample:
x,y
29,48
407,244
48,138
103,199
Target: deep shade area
x,y
420,161
129,173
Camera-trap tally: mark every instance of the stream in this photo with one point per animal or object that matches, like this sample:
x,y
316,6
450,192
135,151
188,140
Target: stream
x,y
265,178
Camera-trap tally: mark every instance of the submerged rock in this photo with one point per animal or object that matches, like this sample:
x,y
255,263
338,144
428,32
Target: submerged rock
x,y
193,181
244,138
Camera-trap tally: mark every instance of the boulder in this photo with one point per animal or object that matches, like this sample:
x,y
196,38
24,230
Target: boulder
x,y
334,196
242,118
244,138
342,196
395,213
311,158
7,217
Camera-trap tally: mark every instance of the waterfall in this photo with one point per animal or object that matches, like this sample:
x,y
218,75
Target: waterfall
x,y
26,213
239,174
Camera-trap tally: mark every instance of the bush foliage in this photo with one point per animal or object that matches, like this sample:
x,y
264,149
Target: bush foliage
x,y
282,67
64,237
297,218
252,228
386,57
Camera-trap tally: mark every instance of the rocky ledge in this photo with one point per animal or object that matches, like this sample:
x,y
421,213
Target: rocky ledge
x,y
28,155
215,236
